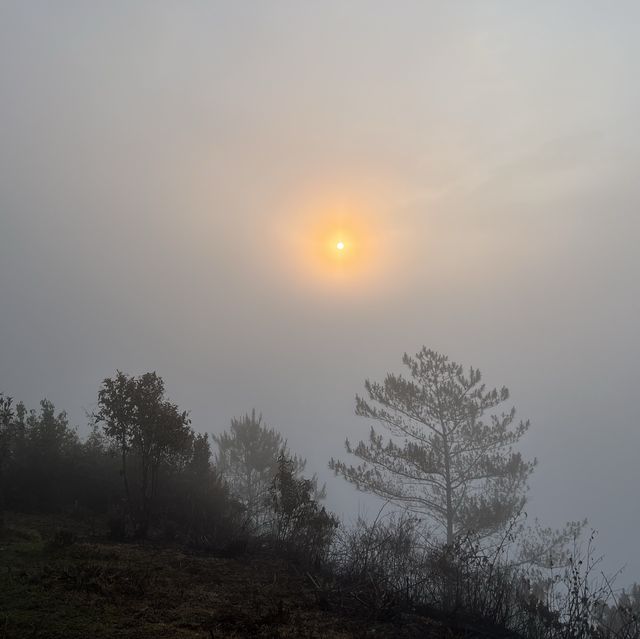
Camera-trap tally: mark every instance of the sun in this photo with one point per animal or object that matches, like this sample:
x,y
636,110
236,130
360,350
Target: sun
x,y
336,238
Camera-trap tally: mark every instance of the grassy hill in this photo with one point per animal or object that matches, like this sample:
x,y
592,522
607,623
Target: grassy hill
x,y
60,579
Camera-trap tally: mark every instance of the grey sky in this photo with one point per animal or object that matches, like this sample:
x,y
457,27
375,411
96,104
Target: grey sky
x,y
155,156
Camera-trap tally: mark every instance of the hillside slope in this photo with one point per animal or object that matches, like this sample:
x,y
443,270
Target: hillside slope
x,y
56,582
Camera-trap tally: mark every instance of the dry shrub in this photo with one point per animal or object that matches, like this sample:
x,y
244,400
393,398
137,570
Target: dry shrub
x,y
389,567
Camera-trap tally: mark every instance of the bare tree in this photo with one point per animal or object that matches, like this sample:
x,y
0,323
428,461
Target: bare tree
x,y
448,457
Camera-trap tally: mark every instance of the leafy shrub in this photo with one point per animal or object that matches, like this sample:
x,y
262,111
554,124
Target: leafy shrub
x,y
299,524
196,505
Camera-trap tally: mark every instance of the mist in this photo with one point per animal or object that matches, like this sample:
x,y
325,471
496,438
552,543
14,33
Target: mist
x,y
163,166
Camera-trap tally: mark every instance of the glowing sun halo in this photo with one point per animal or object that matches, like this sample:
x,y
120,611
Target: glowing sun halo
x,y
336,241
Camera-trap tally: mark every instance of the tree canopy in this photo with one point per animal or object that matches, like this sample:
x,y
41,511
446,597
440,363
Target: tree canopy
x,y
449,455
248,457
6,417
148,430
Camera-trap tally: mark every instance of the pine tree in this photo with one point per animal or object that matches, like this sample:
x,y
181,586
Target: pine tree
x,y
248,460
448,456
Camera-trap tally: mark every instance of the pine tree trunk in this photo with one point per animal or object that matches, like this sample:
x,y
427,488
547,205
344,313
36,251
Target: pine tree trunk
x,y
448,489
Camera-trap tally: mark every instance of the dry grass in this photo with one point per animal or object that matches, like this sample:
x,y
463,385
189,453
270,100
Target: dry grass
x,y
92,588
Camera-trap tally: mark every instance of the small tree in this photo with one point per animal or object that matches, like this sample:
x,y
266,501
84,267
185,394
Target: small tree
x,y
41,452
148,430
196,500
445,459
49,457
205,495
299,522
6,417
248,460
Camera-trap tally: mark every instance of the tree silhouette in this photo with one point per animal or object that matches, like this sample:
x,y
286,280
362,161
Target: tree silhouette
x,y
248,460
445,458
6,417
148,430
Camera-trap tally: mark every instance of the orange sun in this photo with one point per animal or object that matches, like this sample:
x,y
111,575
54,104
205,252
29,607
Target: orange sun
x,y
336,239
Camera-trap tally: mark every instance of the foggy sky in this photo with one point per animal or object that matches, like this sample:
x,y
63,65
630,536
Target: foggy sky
x,y
154,158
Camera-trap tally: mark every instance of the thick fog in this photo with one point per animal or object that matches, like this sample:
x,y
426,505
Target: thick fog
x,y
162,164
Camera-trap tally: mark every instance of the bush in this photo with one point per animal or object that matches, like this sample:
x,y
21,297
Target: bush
x,y
389,567
299,525
195,503
381,563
